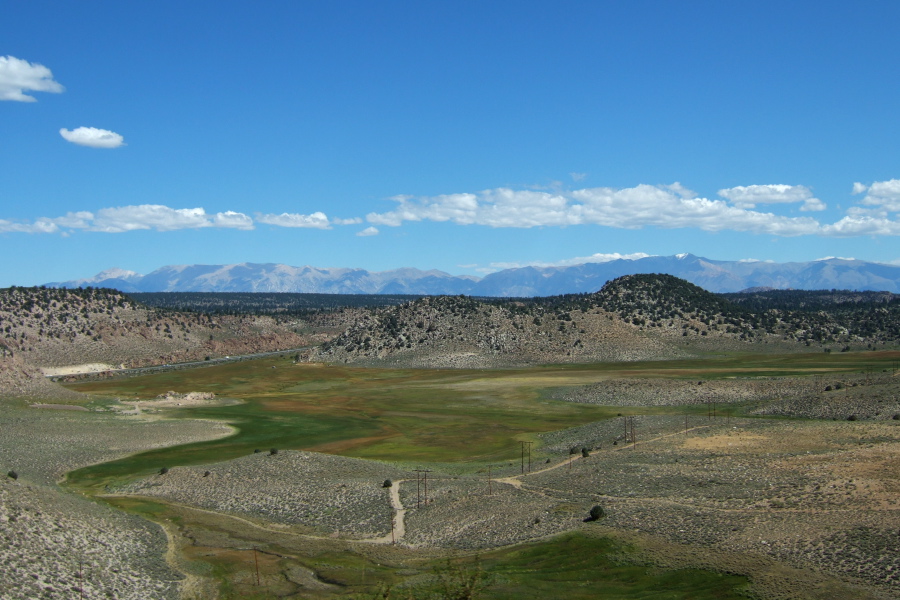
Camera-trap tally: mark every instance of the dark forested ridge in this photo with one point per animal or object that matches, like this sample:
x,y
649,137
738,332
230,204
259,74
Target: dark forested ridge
x,y
264,303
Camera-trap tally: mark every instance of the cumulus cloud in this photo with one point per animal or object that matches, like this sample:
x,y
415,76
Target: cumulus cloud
x,y
368,231
18,76
860,224
668,207
748,196
883,195
93,137
351,221
317,220
131,218
859,188
41,226
163,218
232,220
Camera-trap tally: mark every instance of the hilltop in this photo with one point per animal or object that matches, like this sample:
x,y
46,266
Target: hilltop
x,y
635,317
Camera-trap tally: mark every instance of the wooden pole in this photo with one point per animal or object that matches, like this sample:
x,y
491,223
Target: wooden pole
x,y
523,456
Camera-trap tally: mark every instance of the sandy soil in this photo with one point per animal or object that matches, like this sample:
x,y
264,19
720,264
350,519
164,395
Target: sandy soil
x,y
84,369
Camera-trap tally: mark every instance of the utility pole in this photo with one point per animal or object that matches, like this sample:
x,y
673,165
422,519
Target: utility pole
x,y
524,445
490,484
529,456
419,477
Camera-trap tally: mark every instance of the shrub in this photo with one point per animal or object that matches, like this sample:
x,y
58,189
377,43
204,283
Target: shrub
x,y
387,483
596,513
585,452
851,418
164,470
273,451
206,474
12,475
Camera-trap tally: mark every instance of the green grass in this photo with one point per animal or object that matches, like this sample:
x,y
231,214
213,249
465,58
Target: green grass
x,y
417,415
578,566
469,417
575,565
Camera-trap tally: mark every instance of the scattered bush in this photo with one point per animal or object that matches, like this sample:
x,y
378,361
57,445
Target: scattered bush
x,y
387,483
164,470
206,474
851,418
12,475
273,451
596,513
585,452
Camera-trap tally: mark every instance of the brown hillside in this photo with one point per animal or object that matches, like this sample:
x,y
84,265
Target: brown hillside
x,y
58,327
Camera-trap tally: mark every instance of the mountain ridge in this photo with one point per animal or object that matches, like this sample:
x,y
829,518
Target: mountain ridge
x,y
529,281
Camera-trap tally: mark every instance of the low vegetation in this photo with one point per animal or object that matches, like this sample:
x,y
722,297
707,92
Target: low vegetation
x,y
647,437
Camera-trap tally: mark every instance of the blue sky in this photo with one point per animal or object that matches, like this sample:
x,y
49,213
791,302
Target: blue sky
x,y
462,136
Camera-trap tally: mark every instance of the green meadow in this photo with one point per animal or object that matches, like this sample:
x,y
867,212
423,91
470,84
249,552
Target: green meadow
x,y
442,417
412,415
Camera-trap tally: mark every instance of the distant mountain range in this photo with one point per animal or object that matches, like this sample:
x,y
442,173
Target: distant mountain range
x,y
712,275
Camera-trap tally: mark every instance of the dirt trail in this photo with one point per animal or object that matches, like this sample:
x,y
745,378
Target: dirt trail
x,y
398,518
516,480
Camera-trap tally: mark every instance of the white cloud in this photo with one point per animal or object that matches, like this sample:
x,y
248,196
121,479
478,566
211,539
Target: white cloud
x,y
568,262
668,207
747,197
93,137
232,220
578,176
368,231
884,195
154,216
131,218
41,226
351,221
317,220
18,76
859,188
859,224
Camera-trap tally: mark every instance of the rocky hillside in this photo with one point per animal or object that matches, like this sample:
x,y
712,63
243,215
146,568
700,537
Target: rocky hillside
x,y
631,318
458,331
57,327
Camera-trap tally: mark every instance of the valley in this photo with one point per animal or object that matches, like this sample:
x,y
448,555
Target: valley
x,y
725,464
